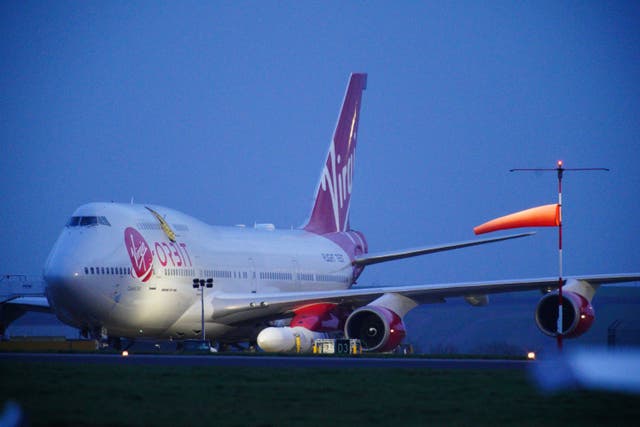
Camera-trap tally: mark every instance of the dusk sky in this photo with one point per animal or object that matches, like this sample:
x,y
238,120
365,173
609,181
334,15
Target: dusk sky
x,y
224,110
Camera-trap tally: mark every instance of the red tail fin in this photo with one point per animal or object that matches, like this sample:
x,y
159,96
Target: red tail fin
x,y
331,206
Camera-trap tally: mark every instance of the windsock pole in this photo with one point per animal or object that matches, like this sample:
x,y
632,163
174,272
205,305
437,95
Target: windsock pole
x,y
560,170
559,329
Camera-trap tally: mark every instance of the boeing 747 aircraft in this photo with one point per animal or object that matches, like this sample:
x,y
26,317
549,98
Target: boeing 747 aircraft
x,y
127,271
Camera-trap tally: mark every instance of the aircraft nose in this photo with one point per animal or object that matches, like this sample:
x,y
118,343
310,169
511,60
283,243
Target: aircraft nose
x,y
63,274
61,266
59,271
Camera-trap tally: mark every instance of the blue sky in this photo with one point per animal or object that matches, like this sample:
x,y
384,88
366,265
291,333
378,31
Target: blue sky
x,y
224,110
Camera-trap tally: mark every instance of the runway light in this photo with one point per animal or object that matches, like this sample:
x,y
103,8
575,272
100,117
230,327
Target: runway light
x,y
531,355
125,353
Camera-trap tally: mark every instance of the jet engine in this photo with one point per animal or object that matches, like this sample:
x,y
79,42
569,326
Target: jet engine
x,y
577,314
377,328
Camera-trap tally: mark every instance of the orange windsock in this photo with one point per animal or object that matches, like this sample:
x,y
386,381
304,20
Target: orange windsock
x,y
541,216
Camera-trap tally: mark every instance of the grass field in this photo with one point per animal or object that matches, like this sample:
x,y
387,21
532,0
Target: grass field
x,y
61,394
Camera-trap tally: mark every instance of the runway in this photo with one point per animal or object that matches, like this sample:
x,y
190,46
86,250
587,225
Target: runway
x,y
267,361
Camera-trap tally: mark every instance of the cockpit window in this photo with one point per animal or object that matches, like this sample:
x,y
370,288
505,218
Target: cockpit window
x,y
87,221
73,221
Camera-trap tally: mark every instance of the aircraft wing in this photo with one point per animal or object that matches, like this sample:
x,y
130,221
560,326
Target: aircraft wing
x,y
375,258
39,304
237,308
14,307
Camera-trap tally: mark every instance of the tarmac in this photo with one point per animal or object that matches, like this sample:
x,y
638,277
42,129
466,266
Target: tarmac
x,y
268,361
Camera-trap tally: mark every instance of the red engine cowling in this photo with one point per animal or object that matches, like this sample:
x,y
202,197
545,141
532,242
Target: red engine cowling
x,y
577,314
377,328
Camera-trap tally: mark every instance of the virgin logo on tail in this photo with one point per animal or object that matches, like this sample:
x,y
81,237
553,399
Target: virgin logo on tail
x,y
330,212
337,178
139,253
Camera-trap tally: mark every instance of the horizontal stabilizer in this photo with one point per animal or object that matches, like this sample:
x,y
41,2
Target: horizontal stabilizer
x,y
374,258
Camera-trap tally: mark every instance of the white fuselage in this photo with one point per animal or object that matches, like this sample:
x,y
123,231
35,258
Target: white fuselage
x,y
115,267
